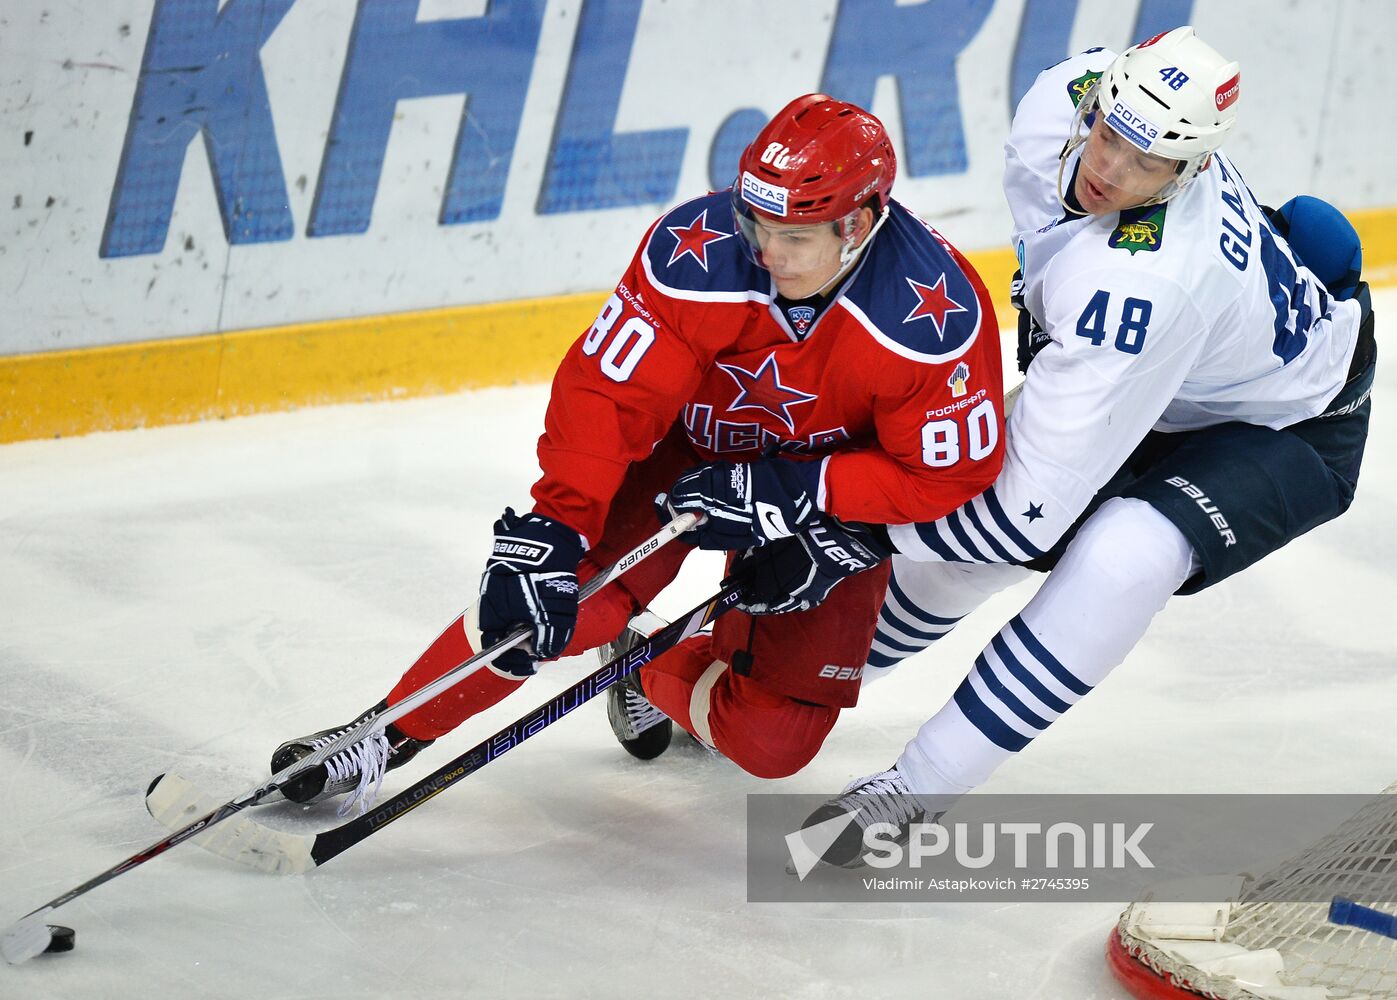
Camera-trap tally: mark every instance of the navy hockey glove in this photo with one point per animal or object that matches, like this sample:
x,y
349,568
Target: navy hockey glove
x,y
797,574
530,581
747,503
1032,337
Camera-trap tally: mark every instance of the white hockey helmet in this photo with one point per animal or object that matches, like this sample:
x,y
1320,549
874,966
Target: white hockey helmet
x,y
1172,95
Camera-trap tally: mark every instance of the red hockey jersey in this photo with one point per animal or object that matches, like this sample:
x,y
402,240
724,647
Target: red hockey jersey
x,y
896,386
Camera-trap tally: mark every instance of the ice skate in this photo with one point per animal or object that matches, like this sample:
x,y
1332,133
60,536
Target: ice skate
x,y
878,798
355,767
640,727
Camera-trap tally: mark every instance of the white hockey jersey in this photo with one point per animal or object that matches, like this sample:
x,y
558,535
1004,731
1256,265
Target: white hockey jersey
x,y
1170,317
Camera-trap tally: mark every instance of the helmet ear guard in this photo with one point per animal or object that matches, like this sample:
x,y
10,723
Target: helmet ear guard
x,y
848,230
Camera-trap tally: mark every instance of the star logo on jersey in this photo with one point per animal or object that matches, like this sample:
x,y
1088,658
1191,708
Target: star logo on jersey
x,y
762,390
934,303
694,239
1034,512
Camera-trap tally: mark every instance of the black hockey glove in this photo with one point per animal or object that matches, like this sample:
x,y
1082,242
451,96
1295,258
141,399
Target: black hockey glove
x,y
747,503
797,574
1032,337
530,581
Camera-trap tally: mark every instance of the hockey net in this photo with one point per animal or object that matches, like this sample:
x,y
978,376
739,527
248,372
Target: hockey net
x,y
1258,943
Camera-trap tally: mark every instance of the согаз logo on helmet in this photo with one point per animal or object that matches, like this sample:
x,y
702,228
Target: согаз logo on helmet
x,y
1131,124
767,197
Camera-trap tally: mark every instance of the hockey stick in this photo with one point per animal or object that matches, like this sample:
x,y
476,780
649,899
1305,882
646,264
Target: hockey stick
x,y
172,799
30,935
1345,911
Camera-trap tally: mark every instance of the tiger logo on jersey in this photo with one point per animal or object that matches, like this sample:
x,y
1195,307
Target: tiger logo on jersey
x,y
1139,229
1077,89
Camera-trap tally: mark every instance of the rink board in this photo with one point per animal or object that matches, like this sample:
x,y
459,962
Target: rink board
x,y
221,208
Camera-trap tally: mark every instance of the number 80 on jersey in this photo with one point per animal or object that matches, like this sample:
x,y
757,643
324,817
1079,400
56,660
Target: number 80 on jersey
x,y
944,445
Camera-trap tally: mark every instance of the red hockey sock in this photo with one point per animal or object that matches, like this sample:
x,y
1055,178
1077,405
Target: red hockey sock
x,y
452,707
600,619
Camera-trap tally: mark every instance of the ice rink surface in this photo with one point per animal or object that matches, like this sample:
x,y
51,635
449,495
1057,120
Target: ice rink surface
x,y
188,597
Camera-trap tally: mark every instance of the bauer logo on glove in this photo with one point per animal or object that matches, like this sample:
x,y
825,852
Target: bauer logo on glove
x,y
530,582
520,551
797,574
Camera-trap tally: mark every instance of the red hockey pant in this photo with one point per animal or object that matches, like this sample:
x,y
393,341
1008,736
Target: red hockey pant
x,y
771,720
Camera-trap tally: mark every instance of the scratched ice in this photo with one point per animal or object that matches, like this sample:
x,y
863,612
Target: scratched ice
x,y
188,597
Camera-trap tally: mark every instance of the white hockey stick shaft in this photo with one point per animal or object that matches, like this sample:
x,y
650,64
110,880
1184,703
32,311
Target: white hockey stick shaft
x,y
29,936
462,670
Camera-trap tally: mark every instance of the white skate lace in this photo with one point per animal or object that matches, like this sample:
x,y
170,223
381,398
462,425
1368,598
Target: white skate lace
x,y
881,798
368,758
640,713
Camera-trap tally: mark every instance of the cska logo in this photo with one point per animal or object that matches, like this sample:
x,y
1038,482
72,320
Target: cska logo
x,y
763,390
958,379
934,303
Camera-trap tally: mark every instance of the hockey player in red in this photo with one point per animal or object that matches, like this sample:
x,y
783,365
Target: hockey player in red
x,y
798,347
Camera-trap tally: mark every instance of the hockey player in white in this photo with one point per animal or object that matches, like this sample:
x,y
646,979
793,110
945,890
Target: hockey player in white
x,y
1197,397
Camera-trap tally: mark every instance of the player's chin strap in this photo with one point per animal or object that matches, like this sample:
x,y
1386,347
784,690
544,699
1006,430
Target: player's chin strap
x,y
1086,107
849,254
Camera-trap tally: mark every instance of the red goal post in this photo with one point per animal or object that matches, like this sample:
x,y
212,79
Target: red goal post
x,y
1257,943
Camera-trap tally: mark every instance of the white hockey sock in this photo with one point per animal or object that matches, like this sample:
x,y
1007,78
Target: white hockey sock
x,y
925,600
1094,607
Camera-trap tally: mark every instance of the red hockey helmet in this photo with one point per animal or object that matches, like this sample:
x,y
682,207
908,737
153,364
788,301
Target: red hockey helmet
x,y
817,160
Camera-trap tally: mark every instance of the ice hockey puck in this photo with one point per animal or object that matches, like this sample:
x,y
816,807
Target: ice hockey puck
x,y
61,939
